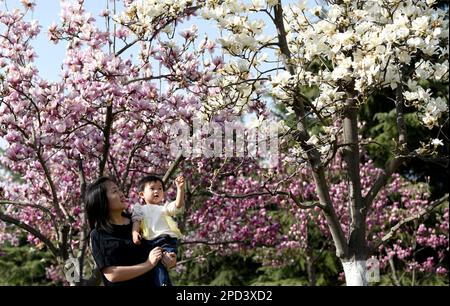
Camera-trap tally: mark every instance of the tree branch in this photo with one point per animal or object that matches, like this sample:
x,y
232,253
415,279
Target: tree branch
x,y
127,46
84,231
281,31
402,149
137,146
335,227
173,167
303,206
382,179
31,230
148,78
60,211
25,204
106,135
418,215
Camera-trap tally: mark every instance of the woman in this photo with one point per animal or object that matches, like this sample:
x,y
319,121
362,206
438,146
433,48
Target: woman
x,y
117,257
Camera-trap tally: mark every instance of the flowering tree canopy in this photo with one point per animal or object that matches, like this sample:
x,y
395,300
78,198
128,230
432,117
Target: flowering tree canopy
x,y
345,51
311,70
103,116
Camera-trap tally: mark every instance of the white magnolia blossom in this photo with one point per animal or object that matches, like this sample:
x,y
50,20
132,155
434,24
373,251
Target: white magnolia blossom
x,y
366,46
142,14
359,47
437,142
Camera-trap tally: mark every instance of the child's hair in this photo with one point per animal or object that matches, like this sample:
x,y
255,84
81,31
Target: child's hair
x,y
148,179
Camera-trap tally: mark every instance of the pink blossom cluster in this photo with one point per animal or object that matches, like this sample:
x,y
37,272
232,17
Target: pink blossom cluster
x,y
108,108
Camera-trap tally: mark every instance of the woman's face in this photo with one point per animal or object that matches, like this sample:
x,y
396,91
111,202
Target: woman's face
x,y
116,199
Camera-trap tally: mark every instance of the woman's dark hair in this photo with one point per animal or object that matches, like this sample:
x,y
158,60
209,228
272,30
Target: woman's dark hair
x,y
147,179
97,207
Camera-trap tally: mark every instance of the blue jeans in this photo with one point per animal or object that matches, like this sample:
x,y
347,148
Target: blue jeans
x,y
168,244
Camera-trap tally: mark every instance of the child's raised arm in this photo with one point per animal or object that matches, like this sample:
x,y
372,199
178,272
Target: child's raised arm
x,y
179,201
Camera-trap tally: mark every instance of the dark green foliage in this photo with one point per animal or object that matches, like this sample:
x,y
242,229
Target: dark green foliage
x,y
234,269
380,125
246,270
23,265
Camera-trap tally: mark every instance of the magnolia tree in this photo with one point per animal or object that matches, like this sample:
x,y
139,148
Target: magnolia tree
x,y
344,51
111,113
104,116
241,214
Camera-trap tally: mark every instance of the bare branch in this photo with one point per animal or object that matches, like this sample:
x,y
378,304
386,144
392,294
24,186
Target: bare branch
x,y
106,135
31,230
131,155
245,195
194,258
149,78
303,206
40,207
383,178
84,231
18,203
60,210
418,215
127,46
173,167
402,149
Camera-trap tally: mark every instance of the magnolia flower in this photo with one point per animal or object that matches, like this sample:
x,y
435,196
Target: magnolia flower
x,y
437,142
421,24
440,70
281,79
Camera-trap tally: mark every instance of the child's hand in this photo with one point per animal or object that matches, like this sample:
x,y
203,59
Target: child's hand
x,y
179,181
136,238
169,260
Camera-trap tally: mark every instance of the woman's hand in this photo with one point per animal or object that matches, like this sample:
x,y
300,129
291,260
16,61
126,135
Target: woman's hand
x,y
169,260
154,256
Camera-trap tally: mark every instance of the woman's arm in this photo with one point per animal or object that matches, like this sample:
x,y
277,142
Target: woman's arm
x,y
124,273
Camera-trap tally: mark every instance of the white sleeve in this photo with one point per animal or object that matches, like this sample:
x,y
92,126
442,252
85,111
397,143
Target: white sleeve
x,y
171,209
137,214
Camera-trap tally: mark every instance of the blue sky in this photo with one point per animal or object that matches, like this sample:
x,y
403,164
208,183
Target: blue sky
x,y
51,56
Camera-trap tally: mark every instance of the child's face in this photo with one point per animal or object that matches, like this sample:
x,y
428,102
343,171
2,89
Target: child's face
x,y
153,193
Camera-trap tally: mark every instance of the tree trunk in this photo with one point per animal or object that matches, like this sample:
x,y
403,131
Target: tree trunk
x,y
355,272
310,268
